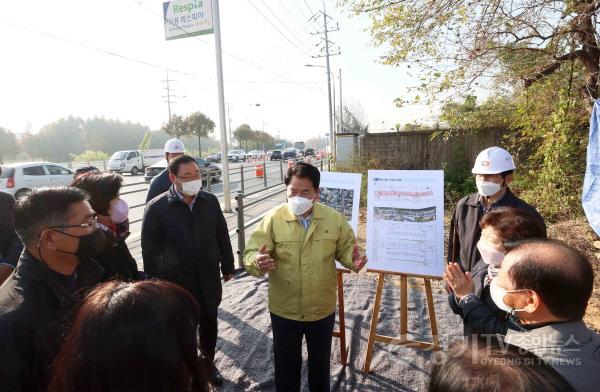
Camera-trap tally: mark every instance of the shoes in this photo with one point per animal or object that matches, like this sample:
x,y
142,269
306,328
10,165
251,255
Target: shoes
x,y
217,378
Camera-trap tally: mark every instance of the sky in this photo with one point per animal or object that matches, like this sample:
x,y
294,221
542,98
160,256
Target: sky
x,y
110,58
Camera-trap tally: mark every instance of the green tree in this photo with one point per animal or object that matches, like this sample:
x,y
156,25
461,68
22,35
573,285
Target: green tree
x,y
198,124
88,155
176,127
494,112
474,37
145,143
9,147
243,133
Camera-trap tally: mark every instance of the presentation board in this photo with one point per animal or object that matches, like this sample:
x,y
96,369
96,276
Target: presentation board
x,y
342,192
405,221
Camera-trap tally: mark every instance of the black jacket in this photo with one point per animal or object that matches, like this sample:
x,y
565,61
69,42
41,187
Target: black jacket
x,y
159,184
116,260
36,308
465,226
481,316
186,247
10,244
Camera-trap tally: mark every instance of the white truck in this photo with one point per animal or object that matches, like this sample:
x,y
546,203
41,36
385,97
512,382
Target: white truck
x,y
134,161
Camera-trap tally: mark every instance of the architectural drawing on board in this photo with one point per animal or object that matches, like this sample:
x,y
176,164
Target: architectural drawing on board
x,y
405,214
405,221
340,199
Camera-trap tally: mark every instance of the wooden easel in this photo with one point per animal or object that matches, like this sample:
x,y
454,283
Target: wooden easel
x,y
402,340
341,317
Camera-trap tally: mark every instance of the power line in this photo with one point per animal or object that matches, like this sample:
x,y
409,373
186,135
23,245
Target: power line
x,y
284,25
240,59
300,9
310,12
294,17
97,49
275,27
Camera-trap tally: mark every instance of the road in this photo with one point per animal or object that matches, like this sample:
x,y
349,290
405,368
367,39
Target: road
x,y
135,190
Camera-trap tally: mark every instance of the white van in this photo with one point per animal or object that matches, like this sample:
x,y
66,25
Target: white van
x,y
134,161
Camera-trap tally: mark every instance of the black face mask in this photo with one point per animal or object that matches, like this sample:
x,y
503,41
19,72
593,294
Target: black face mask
x,y
90,245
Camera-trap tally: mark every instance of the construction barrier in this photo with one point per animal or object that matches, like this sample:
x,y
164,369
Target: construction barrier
x,y
259,170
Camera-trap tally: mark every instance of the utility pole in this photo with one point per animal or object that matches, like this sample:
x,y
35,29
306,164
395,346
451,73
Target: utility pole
x,y
341,113
326,52
168,97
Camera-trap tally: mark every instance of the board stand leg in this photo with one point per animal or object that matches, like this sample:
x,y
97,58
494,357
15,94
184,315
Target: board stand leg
x,y
341,334
403,339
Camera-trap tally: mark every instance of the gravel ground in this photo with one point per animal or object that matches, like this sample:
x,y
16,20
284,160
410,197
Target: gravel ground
x,y
245,352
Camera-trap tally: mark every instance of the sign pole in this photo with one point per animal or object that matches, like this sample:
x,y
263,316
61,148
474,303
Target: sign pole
x,y
222,128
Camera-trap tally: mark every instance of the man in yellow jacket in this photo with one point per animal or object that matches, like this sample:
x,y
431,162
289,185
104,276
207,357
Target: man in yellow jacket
x,y
297,244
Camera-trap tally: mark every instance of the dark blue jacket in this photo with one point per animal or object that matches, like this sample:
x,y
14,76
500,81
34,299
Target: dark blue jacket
x,y
481,316
10,244
188,247
159,184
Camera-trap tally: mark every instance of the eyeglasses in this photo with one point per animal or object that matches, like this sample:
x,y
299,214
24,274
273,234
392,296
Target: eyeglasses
x,y
91,225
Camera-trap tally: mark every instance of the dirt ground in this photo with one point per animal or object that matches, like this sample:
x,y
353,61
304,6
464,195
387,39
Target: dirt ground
x,y
244,350
579,234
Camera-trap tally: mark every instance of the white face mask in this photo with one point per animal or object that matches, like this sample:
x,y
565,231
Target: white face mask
x,y
191,188
119,211
299,205
490,255
488,188
498,293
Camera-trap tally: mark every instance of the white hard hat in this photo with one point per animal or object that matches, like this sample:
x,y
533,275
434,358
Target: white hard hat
x,y
493,160
173,146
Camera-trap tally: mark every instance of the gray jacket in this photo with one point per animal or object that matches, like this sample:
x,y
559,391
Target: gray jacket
x,y
571,348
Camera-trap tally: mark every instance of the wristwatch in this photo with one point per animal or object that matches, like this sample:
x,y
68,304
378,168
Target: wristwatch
x,y
466,299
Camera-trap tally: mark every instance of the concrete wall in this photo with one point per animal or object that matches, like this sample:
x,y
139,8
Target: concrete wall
x,y
346,145
416,150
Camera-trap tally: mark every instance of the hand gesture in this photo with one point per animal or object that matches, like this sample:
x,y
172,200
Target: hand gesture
x,y
460,282
228,277
358,260
264,261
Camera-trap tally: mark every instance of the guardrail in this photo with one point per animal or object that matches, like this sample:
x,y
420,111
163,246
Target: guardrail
x,y
241,206
270,179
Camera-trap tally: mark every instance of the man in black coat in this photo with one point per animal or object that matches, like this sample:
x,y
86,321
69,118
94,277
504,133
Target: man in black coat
x,y
493,172
185,240
59,229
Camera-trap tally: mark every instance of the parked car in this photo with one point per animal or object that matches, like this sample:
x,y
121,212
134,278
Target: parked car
x,y
216,157
290,153
20,178
255,154
309,152
276,155
206,168
134,161
236,155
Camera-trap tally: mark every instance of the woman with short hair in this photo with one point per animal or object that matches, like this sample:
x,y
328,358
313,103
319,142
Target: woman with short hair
x,y
501,230
112,211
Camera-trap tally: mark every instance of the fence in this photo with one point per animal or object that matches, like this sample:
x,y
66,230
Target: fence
x,y
241,206
248,181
